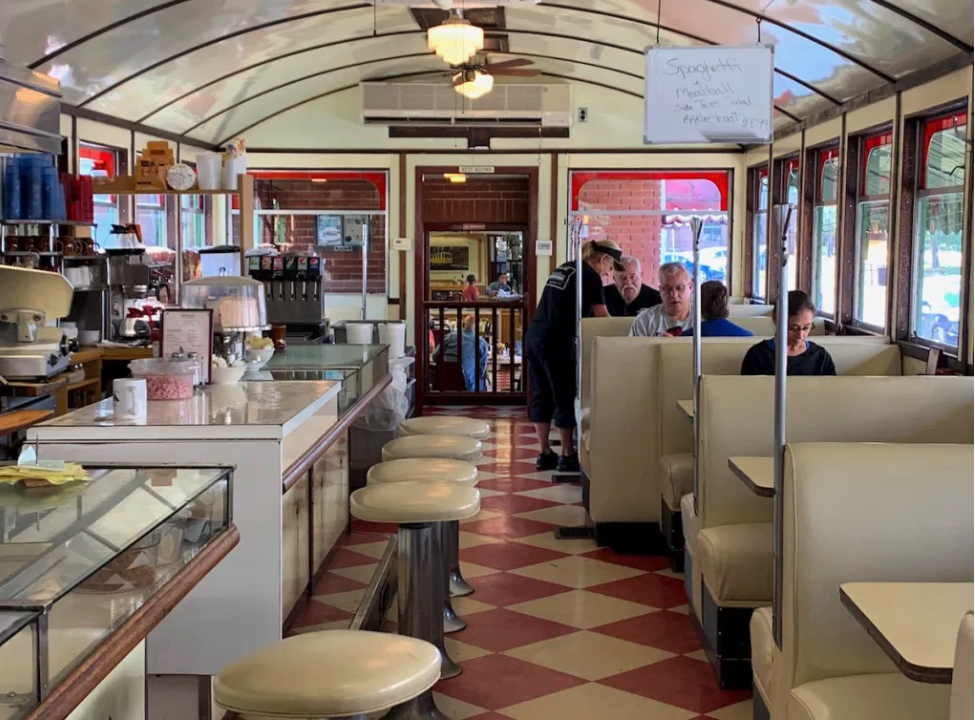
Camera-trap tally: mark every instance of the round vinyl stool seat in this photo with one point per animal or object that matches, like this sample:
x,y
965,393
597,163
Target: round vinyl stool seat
x,y
405,503
445,425
423,469
450,447
328,674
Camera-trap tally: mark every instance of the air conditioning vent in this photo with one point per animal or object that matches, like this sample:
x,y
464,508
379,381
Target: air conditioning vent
x,y
515,104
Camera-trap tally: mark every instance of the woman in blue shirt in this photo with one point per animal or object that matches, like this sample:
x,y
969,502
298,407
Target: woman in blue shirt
x,y
714,313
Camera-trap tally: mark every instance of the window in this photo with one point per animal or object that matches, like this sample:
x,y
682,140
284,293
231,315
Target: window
x,y
872,223
193,210
650,215
151,214
824,231
760,235
100,161
791,194
938,231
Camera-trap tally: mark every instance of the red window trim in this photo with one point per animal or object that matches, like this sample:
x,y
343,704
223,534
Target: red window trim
x,y
823,157
378,180
933,126
759,177
787,167
871,143
106,157
580,178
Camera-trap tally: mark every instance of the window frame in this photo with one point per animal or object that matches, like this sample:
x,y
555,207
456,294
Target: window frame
x,y
865,144
926,128
821,155
780,195
116,160
756,213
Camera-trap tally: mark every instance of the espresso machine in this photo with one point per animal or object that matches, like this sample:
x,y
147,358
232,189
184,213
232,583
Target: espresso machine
x,y
29,348
294,294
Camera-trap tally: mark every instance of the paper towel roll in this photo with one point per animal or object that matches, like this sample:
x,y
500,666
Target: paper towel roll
x,y
394,335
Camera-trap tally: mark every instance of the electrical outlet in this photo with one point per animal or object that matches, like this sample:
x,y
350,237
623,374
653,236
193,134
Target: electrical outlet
x,y
583,115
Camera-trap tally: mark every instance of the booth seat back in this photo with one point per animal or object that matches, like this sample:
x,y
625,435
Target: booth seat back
x,y
764,326
591,329
737,418
853,355
864,512
746,309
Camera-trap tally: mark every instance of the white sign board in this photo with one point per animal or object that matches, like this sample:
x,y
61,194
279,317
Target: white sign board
x,y
402,244
709,94
476,169
543,247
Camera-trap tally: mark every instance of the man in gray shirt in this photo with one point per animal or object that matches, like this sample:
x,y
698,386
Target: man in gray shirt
x,y
673,315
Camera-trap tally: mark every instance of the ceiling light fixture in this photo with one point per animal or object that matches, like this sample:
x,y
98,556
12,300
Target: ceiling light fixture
x,y
455,177
319,180
475,85
455,41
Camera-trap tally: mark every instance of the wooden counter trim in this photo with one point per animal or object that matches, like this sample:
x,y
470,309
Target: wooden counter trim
x,y
93,669
300,466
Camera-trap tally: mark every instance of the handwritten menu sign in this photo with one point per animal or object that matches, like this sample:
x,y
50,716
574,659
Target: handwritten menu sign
x,y
712,94
186,331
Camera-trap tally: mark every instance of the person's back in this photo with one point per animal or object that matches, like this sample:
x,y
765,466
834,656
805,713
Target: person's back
x,y
720,327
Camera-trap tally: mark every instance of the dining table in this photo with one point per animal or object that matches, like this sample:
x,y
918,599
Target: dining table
x,y
758,473
915,623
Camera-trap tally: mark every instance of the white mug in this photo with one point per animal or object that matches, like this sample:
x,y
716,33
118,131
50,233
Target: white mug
x,y
130,398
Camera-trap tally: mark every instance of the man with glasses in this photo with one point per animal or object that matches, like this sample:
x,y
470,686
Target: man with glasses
x,y
673,315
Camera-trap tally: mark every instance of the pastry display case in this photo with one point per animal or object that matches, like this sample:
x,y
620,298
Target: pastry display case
x,y
78,560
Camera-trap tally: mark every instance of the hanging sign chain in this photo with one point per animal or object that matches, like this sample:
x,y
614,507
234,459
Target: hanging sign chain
x,y
659,4
758,21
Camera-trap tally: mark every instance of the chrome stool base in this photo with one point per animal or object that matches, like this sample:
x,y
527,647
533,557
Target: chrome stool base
x,y
459,587
419,708
422,588
452,622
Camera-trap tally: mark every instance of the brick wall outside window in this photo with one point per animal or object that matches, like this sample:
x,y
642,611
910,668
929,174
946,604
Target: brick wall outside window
x,y
343,268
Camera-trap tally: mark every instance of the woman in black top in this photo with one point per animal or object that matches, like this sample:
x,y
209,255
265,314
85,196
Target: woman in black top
x,y
550,348
804,357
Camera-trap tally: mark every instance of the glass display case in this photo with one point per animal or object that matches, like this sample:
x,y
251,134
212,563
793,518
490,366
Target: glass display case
x,y
238,307
78,560
359,367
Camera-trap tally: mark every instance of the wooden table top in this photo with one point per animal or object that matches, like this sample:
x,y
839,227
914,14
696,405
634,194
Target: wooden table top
x,y
758,473
916,624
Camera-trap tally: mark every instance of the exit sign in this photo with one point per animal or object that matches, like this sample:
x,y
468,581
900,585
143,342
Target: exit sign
x,y
476,170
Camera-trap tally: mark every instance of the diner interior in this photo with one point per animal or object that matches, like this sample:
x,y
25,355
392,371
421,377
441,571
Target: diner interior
x,y
299,419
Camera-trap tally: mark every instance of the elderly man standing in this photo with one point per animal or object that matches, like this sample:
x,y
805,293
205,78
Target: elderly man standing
x,y
628,296
673,315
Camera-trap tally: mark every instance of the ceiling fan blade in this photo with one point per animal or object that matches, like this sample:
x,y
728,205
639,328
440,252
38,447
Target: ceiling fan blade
x,y
516,63
512,72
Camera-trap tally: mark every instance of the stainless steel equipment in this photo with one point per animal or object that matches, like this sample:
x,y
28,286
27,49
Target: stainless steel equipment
x,y
91,305
31,117
129,278
293,289
28,348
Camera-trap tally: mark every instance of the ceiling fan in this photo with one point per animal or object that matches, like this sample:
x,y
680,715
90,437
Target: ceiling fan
x,y
474,80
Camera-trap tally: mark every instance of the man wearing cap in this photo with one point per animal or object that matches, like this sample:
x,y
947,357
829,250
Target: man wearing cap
x,y
628,296
550,348
673,315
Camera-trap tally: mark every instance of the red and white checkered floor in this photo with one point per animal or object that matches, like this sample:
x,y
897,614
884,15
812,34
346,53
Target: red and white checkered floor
x,y
557,629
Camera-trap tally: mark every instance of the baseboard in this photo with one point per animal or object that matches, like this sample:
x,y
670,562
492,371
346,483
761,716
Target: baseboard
x,y
759,710
727,641
689,577
631,538
672,527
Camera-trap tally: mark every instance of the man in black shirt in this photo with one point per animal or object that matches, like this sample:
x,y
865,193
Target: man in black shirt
x,y
628,296
550,348
803,357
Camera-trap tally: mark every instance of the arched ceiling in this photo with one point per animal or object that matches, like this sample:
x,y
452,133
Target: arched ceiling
x,y
210,69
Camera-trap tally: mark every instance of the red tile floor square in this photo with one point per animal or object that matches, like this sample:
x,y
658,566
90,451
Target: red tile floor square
x,y
679,681
649,589
508,555
665,630
499,630
497,681
502,589
506,526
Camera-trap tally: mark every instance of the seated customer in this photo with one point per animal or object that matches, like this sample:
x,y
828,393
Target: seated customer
x,y
628,296
467,354
804,357
714,313
500,287
673,315
470,292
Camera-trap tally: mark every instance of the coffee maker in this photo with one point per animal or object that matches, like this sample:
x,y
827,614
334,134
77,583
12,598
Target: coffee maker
x,y
30,349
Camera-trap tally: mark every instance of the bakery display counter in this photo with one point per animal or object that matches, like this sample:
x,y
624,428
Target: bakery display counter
x,y
88,568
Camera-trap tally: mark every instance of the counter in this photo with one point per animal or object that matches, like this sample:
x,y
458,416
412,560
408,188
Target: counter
x,y
288,442
88,569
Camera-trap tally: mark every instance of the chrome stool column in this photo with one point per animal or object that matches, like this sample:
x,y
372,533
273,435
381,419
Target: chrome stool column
x,y
420,509
435,470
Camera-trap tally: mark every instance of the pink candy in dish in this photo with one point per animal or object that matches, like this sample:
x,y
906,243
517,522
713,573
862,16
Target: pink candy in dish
x,y
166,379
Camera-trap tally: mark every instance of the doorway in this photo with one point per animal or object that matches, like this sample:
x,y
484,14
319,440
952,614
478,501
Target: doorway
x,y
475,288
